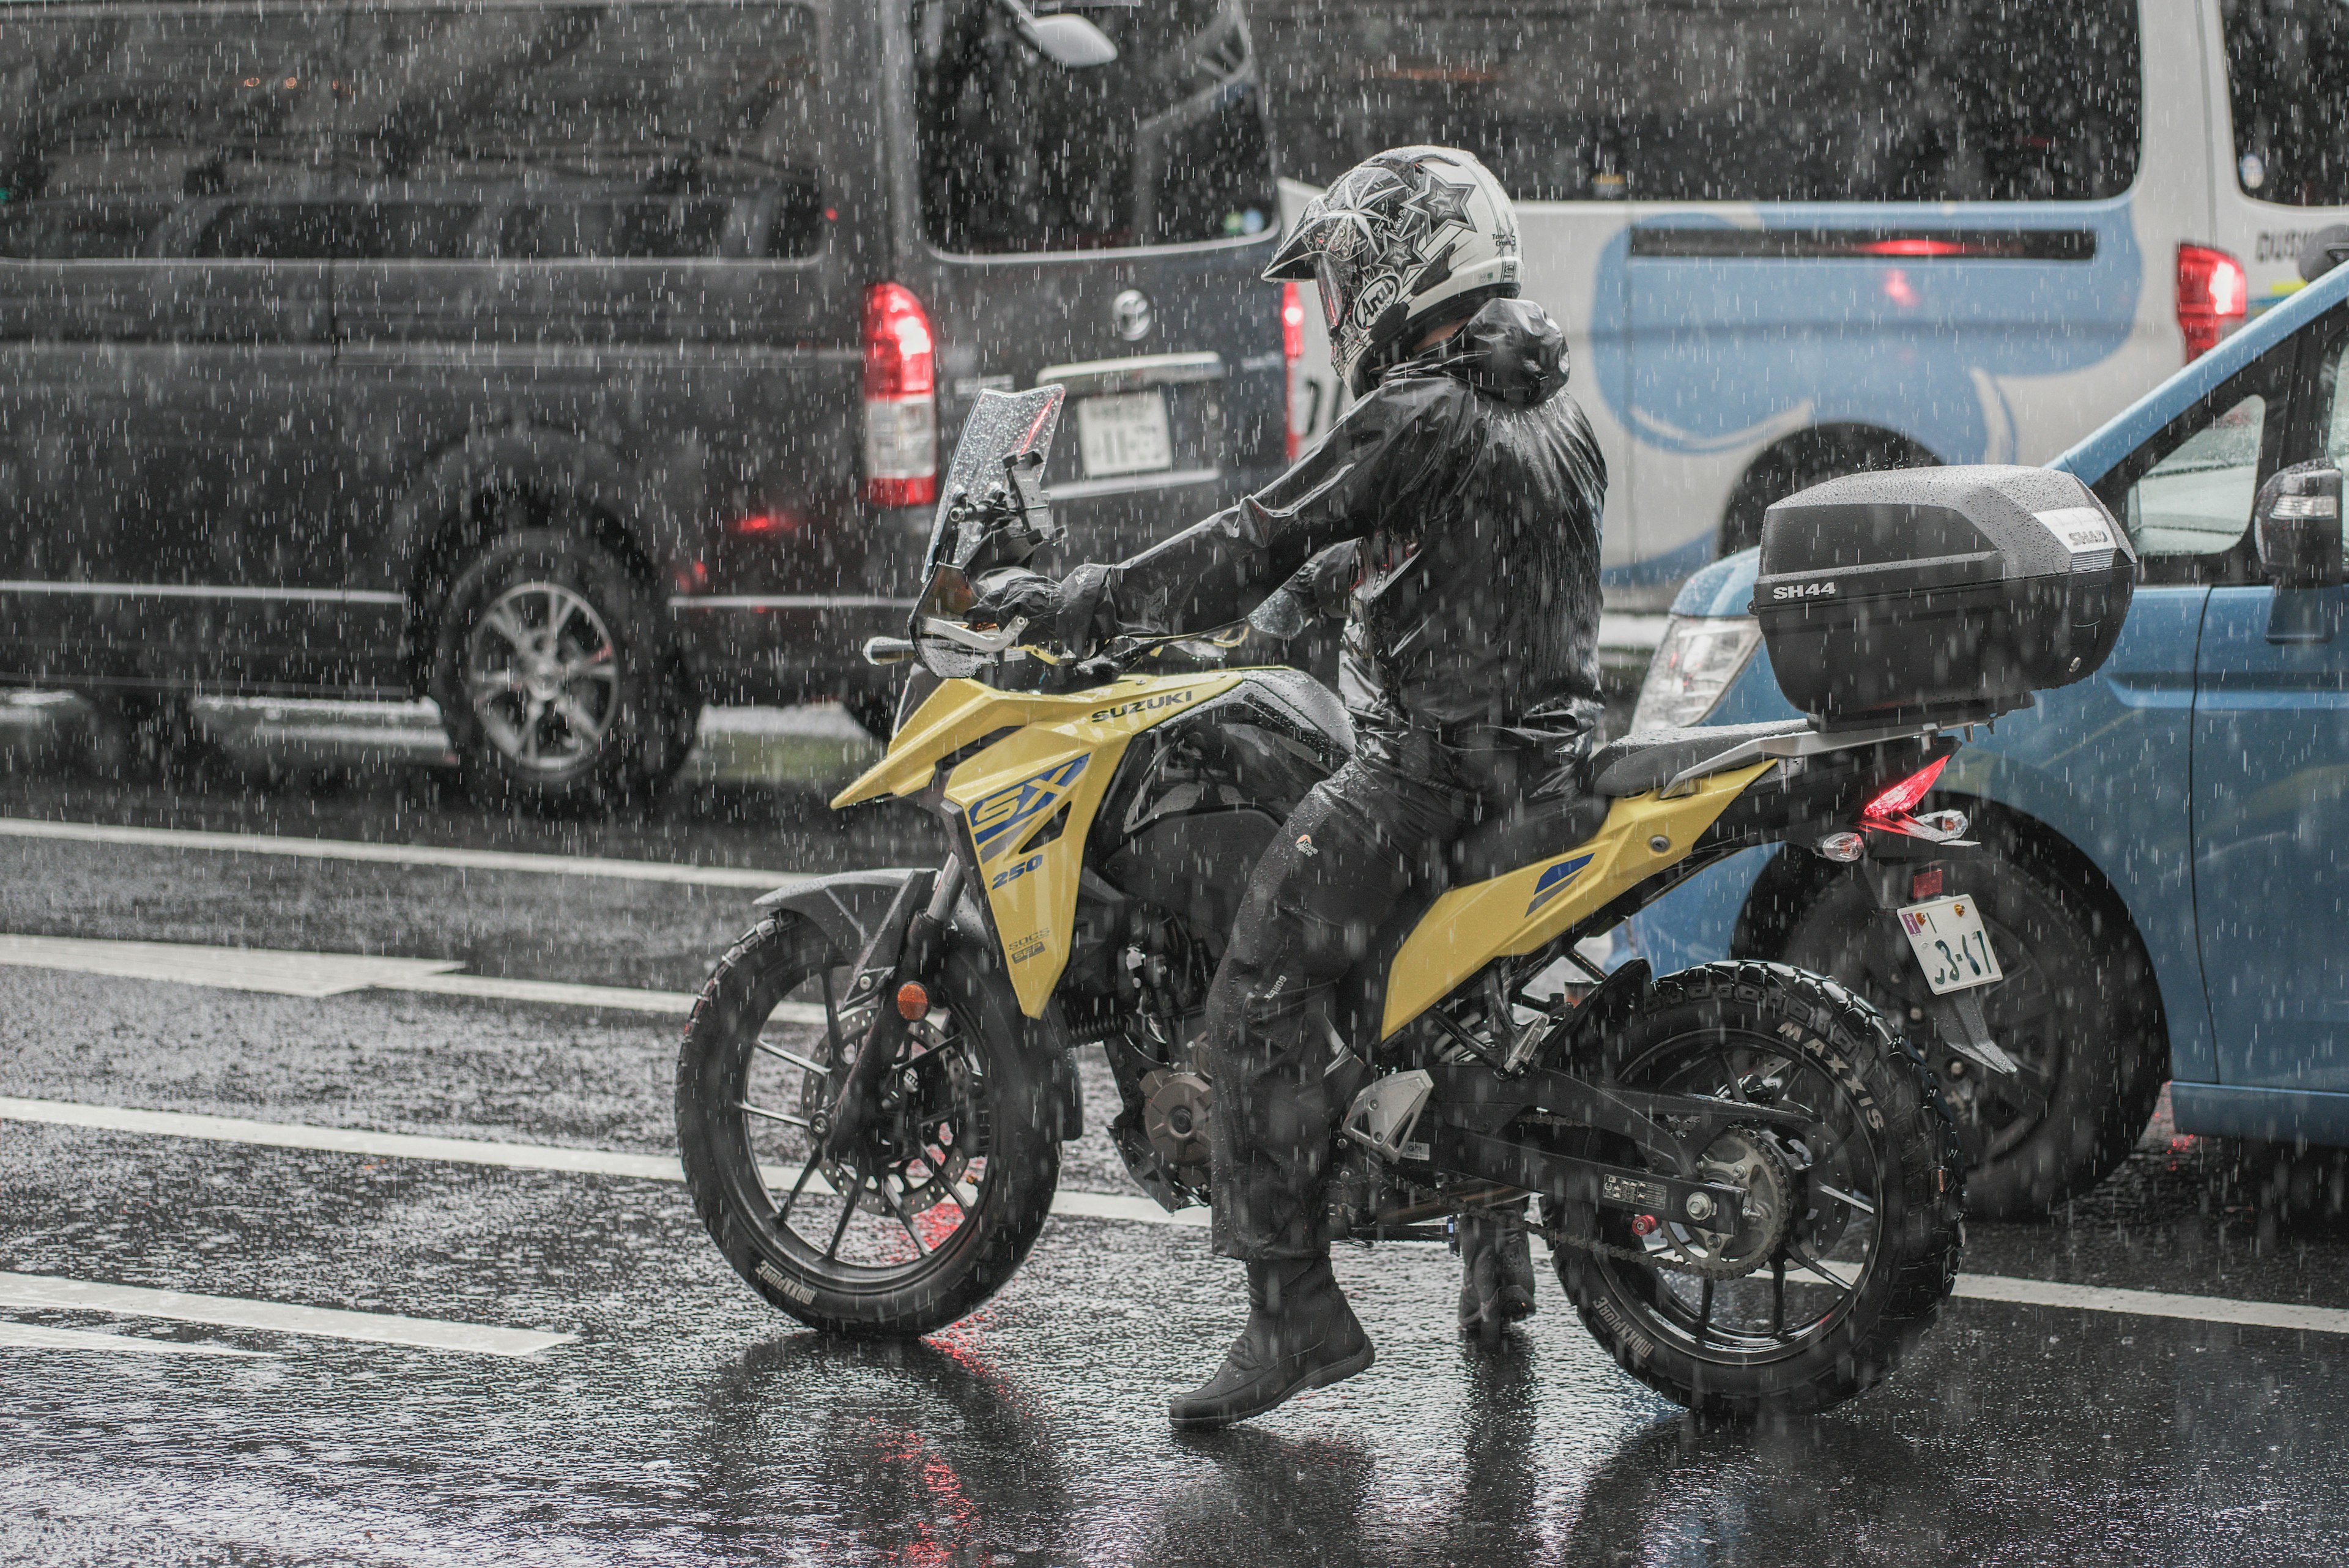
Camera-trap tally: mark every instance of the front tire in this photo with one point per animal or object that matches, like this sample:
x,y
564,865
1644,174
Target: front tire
x,y
1862,1242
943,1222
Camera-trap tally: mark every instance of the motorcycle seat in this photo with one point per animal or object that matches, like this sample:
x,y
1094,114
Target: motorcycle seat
x,y
1637,764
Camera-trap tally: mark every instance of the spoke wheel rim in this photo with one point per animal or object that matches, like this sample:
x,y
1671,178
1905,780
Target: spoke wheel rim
x,y
1782,1306
543,674
918,1192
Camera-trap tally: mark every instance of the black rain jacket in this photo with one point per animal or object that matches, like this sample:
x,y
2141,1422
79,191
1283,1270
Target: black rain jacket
x,y
1472,488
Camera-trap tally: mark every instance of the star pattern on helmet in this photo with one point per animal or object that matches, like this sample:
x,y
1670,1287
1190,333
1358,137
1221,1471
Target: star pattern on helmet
x,y
1440,202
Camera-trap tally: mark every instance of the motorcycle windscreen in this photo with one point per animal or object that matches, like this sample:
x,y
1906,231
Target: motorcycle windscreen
x,y
1001,425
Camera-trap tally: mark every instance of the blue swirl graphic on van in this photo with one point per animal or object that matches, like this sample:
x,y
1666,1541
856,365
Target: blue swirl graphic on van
x,y
1711,344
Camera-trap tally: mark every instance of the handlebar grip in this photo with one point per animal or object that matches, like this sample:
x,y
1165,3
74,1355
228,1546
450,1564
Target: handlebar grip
x,y
888,649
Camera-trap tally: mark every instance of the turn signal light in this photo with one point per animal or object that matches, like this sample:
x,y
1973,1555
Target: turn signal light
x,y
901,399
2213,294
912,1001
1902,798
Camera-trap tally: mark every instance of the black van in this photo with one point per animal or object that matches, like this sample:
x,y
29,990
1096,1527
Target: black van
x,y
575,362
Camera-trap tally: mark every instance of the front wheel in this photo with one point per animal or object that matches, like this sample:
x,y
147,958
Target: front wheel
x,y
935,1214
1850,1235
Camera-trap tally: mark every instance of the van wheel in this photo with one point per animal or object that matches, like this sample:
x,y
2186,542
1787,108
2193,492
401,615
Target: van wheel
x,y
548,668
2075,1010
1811,457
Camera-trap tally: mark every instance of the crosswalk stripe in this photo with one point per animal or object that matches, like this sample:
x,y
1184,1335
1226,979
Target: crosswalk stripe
x,y
49,1291
401,854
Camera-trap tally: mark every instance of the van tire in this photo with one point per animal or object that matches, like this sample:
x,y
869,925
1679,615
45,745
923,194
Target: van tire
x,y
1806,458
570,717
2103,1027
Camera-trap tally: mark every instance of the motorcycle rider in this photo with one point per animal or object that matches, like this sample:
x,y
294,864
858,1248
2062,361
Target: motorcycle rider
x,y
1471,487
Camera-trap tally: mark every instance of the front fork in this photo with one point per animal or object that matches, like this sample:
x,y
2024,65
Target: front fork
x,y
895,975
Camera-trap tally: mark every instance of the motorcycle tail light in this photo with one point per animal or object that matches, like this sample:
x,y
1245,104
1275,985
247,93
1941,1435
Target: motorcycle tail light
x,y
1902,798
901,402
2212,295
1292,359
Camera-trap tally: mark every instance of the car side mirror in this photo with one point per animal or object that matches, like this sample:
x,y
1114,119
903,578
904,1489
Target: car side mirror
x,y
1071,43
2298,520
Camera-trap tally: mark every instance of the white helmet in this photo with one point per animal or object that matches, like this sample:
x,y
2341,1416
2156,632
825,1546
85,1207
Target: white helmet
x,y
1404,240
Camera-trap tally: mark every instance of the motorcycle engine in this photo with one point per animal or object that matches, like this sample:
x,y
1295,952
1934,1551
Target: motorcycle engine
x,y
1175,1108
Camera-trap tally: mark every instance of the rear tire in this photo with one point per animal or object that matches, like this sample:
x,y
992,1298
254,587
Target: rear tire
x,y
1891,1144
548,668
739,1167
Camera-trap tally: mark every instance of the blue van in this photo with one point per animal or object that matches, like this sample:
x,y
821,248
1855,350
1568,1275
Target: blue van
x,y
1789,239
2166,875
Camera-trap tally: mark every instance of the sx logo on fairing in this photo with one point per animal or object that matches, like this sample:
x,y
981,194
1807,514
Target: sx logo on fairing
x,y
1554,881
995,819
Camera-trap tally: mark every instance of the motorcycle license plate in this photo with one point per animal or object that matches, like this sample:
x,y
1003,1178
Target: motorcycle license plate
x,y
1126,433
1950,945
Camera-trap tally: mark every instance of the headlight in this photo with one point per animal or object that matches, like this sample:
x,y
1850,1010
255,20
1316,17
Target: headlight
x,y
1695,661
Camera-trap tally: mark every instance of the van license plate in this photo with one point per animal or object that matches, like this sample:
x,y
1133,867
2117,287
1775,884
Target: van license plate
x,y
1124,434
1950,945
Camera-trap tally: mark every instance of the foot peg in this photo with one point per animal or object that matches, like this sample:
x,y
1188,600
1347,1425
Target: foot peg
x,y
1383,1117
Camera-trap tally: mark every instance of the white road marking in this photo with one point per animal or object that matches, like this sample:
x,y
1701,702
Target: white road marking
x,y
346,1140
401,854
232,969
2152,1303
39,1337
229,1311
1065,1203
308,974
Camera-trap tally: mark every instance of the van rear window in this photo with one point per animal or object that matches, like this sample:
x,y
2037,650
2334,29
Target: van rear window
x,y
1165,145
1761,100
2288,83
466,131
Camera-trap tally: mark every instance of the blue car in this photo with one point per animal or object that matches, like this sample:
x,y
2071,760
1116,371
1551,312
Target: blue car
x,y
2165,870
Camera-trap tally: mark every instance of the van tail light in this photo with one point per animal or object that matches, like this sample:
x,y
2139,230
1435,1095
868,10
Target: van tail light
x,y
1902,798
901,399
1292,359
2213,294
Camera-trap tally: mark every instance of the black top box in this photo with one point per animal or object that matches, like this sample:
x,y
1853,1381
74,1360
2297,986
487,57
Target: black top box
x,y
1946,595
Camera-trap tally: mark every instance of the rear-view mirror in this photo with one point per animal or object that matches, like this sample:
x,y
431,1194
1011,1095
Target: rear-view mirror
x,y
1069,42
2298,521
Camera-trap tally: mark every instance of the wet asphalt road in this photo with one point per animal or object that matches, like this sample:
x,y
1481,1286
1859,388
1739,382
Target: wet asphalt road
x,y
688,1423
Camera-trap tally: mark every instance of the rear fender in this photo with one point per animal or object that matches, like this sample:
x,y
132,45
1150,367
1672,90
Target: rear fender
x,y
850,906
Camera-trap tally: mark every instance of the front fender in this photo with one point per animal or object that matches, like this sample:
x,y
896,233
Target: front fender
x,y
849,906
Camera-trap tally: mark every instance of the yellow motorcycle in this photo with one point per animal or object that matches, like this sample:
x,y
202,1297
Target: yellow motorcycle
x,y
1749,1180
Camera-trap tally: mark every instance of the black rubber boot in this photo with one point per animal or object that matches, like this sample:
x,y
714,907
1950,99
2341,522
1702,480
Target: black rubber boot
x,y
1301,1335
1496,1274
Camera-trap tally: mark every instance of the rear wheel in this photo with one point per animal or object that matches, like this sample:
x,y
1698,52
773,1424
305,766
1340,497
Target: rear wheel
x,y
549,667
1849,1242
938,1211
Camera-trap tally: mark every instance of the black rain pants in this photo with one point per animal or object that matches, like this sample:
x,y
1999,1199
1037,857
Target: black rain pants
x,y
1355,848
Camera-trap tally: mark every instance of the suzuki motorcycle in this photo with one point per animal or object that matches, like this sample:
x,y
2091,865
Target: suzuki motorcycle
x,y
1750,1182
